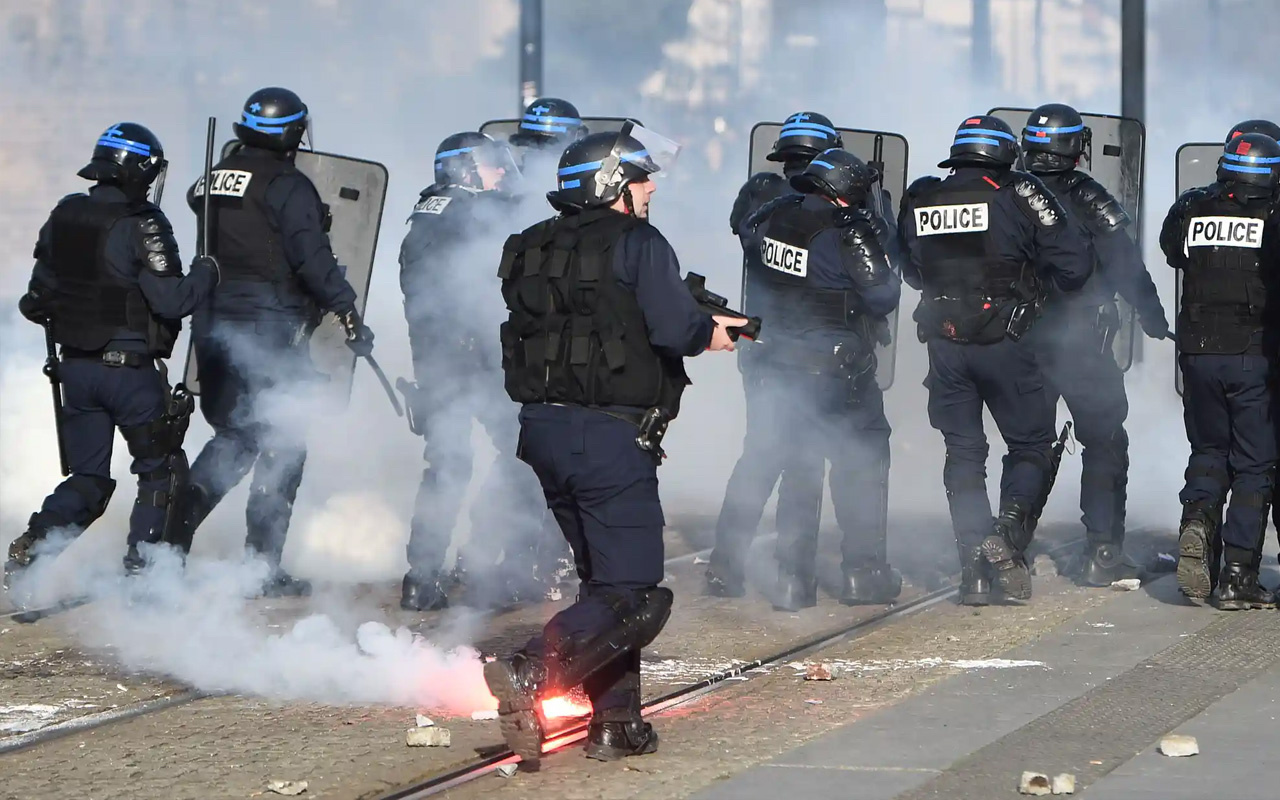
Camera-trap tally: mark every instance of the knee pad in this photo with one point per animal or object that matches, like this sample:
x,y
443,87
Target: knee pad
x,y
1040,459
95,491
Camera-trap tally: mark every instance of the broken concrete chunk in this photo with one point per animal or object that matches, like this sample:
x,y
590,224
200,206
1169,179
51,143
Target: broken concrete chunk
x,y
819,672
1176,745
1126,585
1064,783
554,594
506,770
1034,783
424,722
1044,566
289,788
428,737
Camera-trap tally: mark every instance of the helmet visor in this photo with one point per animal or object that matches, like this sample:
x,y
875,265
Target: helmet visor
x,y
649,150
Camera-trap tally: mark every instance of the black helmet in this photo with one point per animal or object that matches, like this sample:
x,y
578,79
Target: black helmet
x,y
459,155
128,155
803,136
596,170
273,118
549,121
1254,126
1054,138
983,142
1252,159
837,175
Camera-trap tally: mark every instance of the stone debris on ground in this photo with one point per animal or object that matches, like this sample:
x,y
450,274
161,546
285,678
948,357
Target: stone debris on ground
x,y
820,671
1035,783
506,770
1176,745
1126,585
483,715
428,737
1044,566
698,560
1064,783
424,721
554,594
288,788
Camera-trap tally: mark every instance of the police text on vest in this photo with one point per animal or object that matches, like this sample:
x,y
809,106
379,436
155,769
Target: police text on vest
x,y
227,183
432,205
784,257
934,220
1225,232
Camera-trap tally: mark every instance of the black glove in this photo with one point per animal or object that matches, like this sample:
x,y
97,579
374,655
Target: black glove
x,y
210,263
1156,328
30,307
359,337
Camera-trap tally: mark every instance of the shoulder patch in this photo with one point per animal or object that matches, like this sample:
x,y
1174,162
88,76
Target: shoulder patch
x,y
432,205
226,183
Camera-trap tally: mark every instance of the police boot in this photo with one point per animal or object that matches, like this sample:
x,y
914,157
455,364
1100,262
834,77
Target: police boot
x,y
611,740
133,561
795,592
870,585
419,592
1196,554
1239,590
975,580
516,683
1003,550
281,584
724,581
1104,563
22,550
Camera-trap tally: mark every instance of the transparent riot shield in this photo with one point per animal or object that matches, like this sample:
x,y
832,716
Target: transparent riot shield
x,y
885,151
355,191
1115,158
1197,165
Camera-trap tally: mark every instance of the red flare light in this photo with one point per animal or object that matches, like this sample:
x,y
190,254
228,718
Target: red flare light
x,y
565,707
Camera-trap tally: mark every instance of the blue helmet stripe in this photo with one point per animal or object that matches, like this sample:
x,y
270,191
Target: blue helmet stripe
x,y
1251,159
986,131
559,120
137,148
573,184
1251,170
452,153
810,126
576,168
822,164
1064,129
527,126
975,140
272,125
785,133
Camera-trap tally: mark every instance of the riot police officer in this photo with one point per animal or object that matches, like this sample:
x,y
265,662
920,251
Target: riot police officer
x,y
1073,340
980,241
458,373
108,286
599,325
825,283
549,123
252,339
1224,239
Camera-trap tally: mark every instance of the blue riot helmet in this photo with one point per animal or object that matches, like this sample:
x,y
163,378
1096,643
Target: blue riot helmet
x,y
549,122
130,156
1054,139
463,159
274,119
836,175
983,141
804,134
1254,126
597,170
1251,159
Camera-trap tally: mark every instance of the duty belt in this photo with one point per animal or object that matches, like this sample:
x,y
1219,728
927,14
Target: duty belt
x,y
651,425
112,358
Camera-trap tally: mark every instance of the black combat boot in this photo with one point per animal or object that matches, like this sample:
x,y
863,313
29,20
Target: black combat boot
x,y
281,584
1104,563
133,561
725,581
975,580
610,741
1239,590
420,592
516,683
1197,555
795,592
22,550
870,585
1003,550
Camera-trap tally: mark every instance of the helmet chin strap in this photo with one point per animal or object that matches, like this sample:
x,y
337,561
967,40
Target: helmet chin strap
x,y
627,201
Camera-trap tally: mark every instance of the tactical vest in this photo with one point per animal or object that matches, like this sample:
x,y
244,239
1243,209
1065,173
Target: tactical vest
x,y
573,335
1224,297
248,246
798,312
969,287
91,306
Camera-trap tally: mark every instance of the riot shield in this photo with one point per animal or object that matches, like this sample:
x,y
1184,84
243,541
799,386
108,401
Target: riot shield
x,y
1197,165
1115,158
354,191
887,152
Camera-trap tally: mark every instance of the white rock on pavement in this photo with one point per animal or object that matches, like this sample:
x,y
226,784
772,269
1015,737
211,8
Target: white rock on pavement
x,y
1176,745
424,721
1064,783
428,737
1034,783
288,788
1126,585
506,770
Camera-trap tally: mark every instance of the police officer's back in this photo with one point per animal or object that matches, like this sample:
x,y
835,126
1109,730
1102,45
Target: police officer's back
x,y
109,286
1225,240
979,242
599,324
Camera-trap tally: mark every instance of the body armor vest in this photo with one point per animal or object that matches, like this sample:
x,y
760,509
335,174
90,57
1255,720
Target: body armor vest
x,y
573,335
1224,296
969,287
91,306
247,244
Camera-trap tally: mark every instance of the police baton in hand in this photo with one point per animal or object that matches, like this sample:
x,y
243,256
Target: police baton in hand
x,y
51,372
714,304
